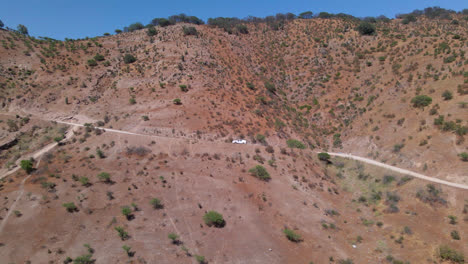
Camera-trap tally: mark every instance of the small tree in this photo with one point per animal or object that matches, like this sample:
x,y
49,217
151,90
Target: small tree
x,y
177,101
118,31
22,29
323,156
421,101
105,177
156,203
260,172
27,166
1,24
71,207
129,58
213,218
292,236
366,28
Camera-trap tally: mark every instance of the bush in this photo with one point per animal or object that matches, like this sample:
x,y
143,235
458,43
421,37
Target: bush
x,y
122,233
242,29
455,235
213,218
127,212
270,87
190,31
105,177
129,58
293,143
421,101
156,203
260,172
446,253
366,28
174,237
447,95
292,236
463,156
99,57
71,207
1,24
260,138
323,156
92,62
27,166
200,259
177,101
85,259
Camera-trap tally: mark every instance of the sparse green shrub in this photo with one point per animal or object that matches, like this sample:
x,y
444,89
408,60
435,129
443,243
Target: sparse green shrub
x,y
190,31
260,172
200,259
291,235
213,218
151,31
447,95
105,177
260,138
84,259
127,212
183,88
294,143
174,238
127,250
446,253
129,58
99,57
71,207
122,233
455,235
270,87
156,203
463,156
92,62
177,101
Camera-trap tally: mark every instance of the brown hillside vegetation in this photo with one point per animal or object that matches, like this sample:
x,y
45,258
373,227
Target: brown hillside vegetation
x,y
187,96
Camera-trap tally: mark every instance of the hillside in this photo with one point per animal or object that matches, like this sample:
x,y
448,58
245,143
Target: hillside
x,y
186,93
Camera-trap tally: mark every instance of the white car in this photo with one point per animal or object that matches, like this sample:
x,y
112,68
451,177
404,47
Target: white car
x,y
239,141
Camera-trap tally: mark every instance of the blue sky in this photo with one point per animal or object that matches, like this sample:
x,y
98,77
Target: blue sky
x,y
80,18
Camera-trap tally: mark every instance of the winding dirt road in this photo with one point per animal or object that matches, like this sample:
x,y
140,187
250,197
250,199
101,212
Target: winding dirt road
x,y
343,155
400,170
